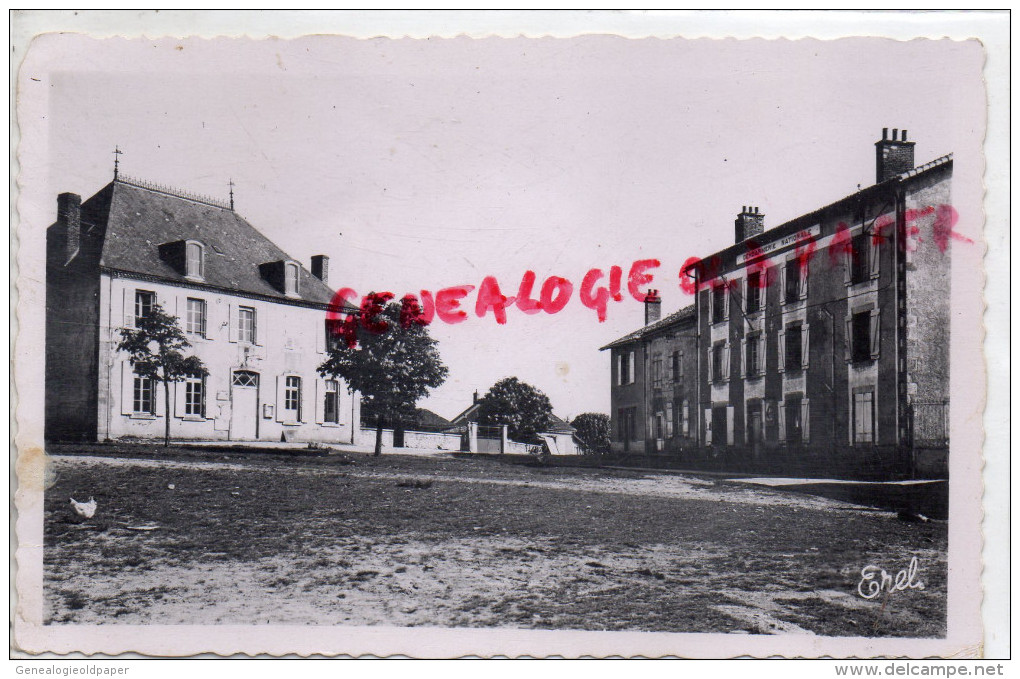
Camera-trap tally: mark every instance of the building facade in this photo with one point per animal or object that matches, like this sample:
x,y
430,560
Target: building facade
x,y
653,395
822,345
254,316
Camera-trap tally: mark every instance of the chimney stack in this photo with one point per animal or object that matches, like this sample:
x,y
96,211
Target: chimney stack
x,y
320,267
893,156
475,399
653,307
748,224
69,218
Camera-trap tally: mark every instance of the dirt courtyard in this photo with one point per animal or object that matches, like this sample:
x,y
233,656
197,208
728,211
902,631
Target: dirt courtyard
x,y
207,537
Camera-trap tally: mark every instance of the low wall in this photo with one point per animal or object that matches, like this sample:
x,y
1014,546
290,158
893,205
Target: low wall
x,y
423,440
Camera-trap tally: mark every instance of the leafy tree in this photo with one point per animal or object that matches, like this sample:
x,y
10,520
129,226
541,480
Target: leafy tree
x,y
593,429
522,407
156,348
388,356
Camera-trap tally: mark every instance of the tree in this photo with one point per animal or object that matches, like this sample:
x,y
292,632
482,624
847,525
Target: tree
x,y
522,407
594,431
388,356
155,348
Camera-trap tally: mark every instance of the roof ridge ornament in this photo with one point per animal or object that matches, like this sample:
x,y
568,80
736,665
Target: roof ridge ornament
x,y
177,193
116,160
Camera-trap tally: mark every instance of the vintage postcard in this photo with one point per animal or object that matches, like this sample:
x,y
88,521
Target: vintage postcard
x,y
445,346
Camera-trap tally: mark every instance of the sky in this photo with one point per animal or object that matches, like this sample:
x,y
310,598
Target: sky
x,y
426,164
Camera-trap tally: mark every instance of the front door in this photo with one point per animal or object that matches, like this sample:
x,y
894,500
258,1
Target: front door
x,y
244,406
757,432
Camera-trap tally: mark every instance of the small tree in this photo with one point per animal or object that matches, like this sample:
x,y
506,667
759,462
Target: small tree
x,y
388,356
155,348
594,431
524,409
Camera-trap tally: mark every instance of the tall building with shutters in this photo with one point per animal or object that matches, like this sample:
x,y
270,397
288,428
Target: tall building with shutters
x,y
254,316
820,346
823,343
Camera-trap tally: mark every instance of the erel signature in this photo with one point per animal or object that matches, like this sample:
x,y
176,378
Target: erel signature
x,y
875,580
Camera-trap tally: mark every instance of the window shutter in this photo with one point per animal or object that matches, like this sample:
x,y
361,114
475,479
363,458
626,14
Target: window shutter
x,y
804,270
848,263
320,337
129,307
805,420
805,351
729,425
232,321
727,359
320,401
743,358
180,310
874,252
619,370
782,350
630,369
306,396
127,388
708,426
159,398
848,339
782,284
781,412
178,389
281,383
685,419
711,359
761,353
261,324
726,301
669,419
876,332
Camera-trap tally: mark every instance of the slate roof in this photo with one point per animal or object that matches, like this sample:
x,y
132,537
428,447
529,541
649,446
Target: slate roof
x,y
687,313
139,219
559,426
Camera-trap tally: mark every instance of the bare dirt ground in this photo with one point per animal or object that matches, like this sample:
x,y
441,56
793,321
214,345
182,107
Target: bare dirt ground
x,y
206,537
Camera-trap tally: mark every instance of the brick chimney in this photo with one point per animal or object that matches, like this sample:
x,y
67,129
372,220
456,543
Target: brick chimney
x,y
69,218
653,307
893,156
320,267
748,224
475,398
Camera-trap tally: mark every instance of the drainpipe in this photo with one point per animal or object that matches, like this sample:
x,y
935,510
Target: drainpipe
x,y
832,369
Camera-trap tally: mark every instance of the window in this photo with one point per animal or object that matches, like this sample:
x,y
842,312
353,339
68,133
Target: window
x,y
144,398
794,347
860,270
719,425
144,301
290,279
792,291
685,422
195,260
719,304
861,337
625,368
194,396
292,397
754,292
331,408
195,321
657,372
677,366
669,419
246,324
245,378
864,418
753,365
718,357
792,406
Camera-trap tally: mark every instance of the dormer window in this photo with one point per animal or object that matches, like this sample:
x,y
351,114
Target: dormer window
x,y
290,279
195,262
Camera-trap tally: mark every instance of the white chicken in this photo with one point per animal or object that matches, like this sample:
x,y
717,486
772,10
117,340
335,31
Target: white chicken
x,y
86,510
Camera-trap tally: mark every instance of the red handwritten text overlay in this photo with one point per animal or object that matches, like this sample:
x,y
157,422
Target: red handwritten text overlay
x,y
598,287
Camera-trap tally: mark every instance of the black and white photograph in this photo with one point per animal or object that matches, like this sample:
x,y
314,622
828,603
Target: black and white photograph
x,y
437,346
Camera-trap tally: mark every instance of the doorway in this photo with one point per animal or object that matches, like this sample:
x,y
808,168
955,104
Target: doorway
x,y
244,405
755,429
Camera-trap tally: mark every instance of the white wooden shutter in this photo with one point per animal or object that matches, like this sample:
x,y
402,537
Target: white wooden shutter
x,y
711,359
619,370
685,416
129,307
127,388
876,332
307,395
261,324
319,328
178,390
743,358
669,419
874,260
745,289
782,350
761,353
281,385
803,280
181,310
805,420
848,339
730,410
727,359
805,351
320,401
232,321
726,301
708,426
848,262
630,369
782,283
781,412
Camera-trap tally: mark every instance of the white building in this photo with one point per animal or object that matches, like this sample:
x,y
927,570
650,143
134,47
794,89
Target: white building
x,y
255,317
